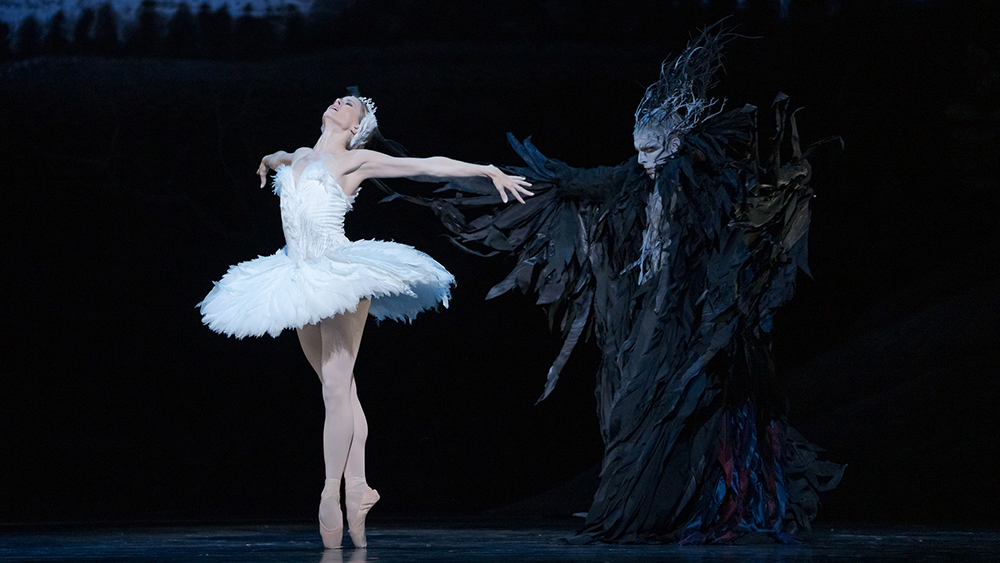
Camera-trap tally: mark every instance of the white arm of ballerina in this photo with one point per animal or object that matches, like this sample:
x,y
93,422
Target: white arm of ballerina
x,y
372,164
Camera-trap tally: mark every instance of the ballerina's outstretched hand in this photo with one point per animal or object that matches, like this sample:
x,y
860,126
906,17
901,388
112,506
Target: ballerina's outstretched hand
x,y
516,185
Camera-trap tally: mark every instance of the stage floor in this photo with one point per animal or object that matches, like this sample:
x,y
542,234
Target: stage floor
x,y
448,542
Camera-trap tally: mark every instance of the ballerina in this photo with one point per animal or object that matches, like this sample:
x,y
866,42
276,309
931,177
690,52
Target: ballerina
x,y
325,286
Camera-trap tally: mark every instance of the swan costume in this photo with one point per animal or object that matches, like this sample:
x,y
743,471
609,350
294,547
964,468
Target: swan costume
x,y
321,273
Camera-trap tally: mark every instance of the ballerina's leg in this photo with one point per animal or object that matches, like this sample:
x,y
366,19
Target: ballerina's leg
x,y
338,343
341,339
354,471
358,496
312,346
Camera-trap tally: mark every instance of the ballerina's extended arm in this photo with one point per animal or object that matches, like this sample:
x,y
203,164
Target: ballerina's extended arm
x,y
367,164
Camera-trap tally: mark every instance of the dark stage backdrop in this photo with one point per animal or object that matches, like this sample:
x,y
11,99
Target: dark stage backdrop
x,y
129,186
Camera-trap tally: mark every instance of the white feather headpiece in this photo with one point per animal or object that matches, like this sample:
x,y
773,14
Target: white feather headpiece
x,y
368,125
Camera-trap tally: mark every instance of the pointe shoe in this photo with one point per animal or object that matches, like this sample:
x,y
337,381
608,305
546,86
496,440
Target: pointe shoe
x,y
359,500
329,503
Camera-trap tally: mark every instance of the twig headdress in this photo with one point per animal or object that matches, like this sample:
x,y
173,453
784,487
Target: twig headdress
x,y
679,100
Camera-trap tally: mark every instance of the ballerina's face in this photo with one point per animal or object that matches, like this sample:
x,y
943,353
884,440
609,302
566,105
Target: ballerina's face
x,y
344,112
654,148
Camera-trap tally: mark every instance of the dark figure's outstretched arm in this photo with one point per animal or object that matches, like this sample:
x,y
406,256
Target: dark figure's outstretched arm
x,y
553,235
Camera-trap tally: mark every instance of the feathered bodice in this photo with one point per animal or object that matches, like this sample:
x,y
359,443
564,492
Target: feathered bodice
x,y
312,211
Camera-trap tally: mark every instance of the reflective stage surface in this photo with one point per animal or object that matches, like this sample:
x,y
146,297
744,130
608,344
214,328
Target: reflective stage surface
x,y
467,542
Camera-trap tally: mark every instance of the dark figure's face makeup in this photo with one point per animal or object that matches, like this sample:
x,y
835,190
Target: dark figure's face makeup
x,y
654,148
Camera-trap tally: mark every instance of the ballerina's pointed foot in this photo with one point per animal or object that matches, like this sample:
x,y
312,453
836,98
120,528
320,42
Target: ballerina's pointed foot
x,y
358,501
331,519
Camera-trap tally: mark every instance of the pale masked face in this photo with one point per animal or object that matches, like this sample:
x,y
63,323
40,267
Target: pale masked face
x,y
654,147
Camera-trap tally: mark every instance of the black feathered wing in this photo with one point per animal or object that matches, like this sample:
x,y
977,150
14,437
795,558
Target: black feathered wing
x,y
553,233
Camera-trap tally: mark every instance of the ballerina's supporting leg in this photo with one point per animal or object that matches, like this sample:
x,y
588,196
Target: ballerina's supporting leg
x,y
339,340
358,496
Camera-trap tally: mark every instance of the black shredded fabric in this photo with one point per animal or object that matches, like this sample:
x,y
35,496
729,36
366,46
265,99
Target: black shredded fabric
x,y
696,445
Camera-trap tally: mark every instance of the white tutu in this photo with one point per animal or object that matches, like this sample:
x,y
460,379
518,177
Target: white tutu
x,y
321,273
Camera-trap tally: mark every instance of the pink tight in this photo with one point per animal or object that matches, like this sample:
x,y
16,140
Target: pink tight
x,y
331,346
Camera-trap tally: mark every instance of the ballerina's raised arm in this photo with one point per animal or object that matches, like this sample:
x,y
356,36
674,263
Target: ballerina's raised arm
x,y
341,151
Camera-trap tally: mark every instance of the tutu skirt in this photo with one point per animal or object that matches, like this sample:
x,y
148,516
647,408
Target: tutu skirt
x,y
272,293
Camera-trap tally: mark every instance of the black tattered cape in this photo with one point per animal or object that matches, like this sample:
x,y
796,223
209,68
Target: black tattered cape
x,y
696,447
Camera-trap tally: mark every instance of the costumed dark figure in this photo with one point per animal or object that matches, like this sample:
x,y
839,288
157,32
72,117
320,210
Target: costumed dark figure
x,y
676,263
